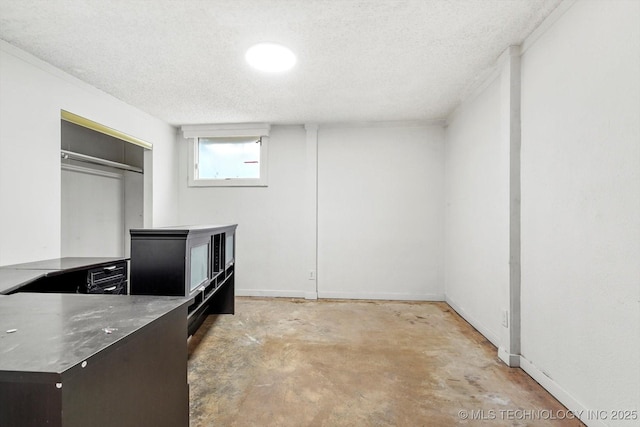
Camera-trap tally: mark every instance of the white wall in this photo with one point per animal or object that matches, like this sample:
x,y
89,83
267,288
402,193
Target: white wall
x,y
477,212
379,209
581,205
270,245
380,212
580,192
161,175
32,95
92,212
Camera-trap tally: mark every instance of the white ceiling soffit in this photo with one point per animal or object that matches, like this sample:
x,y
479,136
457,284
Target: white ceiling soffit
x,y
358,60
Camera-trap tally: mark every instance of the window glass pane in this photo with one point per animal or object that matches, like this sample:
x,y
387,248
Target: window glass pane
x,y
199,263
229,249
226,160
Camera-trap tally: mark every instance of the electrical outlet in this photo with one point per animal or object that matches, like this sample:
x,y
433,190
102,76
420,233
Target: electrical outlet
x,y
505,318
312,275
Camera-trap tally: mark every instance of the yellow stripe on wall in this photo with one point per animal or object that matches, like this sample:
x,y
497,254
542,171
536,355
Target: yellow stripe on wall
x,y
90,124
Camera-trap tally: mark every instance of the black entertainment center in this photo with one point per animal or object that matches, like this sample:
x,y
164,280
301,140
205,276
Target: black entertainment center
x,y
195,262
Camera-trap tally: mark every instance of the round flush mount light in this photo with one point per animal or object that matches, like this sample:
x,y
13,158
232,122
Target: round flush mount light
x,y
270,57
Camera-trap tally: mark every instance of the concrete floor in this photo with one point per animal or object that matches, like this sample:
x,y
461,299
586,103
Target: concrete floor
x,y
288,362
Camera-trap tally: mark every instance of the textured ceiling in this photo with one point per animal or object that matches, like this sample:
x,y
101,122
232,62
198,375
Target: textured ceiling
x,y
358,60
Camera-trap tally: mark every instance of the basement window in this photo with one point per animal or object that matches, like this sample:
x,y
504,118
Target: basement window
x,y
228,161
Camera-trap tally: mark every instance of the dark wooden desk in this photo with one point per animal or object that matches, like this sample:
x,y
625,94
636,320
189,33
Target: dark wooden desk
x,y
71,360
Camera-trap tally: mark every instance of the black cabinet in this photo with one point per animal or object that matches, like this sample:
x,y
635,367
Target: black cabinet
x,y
196,262
108,279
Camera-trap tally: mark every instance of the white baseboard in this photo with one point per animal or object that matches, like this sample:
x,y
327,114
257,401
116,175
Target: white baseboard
x,y
337,295
511,360
273,293
561,394
387,296
474,322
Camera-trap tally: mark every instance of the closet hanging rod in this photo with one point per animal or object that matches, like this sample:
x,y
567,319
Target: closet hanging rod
x,y
70,155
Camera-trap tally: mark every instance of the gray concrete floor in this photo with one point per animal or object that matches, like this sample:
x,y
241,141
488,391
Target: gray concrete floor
x,y
289,362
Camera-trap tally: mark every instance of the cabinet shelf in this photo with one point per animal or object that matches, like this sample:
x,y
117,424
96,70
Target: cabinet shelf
x,y
195,262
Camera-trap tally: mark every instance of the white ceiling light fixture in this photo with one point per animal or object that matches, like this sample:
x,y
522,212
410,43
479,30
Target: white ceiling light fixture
x,y
270,57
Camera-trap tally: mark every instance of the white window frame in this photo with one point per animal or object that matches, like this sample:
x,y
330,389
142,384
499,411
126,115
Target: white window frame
x,y
259,131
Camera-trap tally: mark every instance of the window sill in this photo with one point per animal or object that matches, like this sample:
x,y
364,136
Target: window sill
x,y
228,183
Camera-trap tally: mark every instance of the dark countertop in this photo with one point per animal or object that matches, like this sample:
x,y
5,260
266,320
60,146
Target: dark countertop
x,y
55,333
181,230
188,227
68,264
12,279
